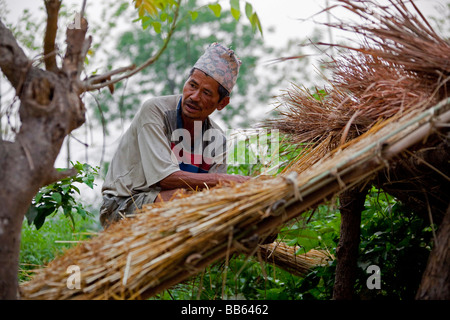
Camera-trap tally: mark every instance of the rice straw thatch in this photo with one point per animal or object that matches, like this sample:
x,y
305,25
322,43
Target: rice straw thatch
x,y
287,258
402,64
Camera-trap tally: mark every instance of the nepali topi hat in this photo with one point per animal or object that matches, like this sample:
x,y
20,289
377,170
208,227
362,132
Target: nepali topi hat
x,y
221,64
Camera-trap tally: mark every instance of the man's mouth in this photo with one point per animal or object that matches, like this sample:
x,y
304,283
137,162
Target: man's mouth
x,y
191,107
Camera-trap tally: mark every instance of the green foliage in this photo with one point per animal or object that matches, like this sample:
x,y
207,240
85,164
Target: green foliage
x,y
59,196
39,247
259,152
398,241
197,27
392,237
151,12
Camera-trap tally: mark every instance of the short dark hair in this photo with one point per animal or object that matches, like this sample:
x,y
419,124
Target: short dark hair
x,y
222,91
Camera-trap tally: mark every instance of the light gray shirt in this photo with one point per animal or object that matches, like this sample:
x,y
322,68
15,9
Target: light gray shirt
x,y
144,155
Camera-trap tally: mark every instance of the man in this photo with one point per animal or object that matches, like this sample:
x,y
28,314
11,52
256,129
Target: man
x,y
172,143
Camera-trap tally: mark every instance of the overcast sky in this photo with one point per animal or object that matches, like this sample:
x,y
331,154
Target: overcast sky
x,y
285,15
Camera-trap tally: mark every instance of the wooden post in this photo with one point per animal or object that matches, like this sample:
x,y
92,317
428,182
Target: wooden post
x,y
435,283
351,206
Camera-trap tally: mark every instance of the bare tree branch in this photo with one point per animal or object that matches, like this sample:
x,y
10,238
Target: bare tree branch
x,y
83,7
107,77
89,84
77,46
52,7
12,58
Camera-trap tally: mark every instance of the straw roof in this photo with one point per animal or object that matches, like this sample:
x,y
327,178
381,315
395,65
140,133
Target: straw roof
x,y
372,120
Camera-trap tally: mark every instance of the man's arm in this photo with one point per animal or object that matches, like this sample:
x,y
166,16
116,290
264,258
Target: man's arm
x,y
187,180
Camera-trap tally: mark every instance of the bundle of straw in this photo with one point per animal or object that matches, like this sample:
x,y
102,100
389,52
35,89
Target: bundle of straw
x,y
403,64
287,258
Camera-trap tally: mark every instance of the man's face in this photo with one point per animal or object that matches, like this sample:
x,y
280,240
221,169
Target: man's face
x,y
201,97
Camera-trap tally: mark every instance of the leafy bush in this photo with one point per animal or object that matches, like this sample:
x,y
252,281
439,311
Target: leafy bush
x,y
398,241
39,247
60,196
41,243
392,238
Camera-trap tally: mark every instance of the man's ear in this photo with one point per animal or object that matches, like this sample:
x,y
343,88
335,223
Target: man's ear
x,y
223,103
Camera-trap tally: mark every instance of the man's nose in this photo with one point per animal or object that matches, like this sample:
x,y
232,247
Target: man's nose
x,y
195,95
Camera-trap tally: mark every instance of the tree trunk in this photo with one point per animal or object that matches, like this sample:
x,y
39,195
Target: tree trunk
x,y
435,283
50,109
351,206
10,234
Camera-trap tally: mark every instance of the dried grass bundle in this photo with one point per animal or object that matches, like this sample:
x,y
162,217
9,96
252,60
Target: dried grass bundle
x,y
141,252
287,258
401,36
402,64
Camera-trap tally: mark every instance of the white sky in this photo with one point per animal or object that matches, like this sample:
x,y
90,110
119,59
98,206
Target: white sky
x,y
285,15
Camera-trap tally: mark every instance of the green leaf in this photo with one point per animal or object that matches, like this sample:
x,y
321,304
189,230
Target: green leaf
x,y
300,250
253,17
235,9
57,197
256,23
121,9
234,4
172,3
236,14
156,26
89,181
78,166
31,214
194,15
291,242
248,10
216,9
76,189
81,211
161,4
38,197
41,215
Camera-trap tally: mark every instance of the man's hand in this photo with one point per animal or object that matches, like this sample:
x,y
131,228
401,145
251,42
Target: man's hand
x,y
233,178
189,180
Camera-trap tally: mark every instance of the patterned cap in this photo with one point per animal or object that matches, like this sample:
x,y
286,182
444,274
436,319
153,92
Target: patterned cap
x,y
221,64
